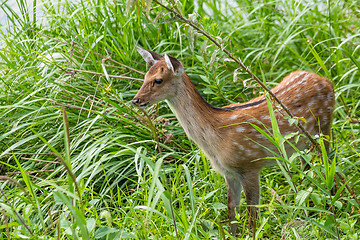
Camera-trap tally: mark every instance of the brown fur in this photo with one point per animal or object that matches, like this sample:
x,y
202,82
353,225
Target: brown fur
x,y
225,135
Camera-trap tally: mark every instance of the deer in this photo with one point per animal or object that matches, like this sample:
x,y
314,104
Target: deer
x,y
227,135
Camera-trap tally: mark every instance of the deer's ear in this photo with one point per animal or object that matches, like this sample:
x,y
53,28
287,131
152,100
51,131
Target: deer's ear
x,y
174,65
149,56
168,63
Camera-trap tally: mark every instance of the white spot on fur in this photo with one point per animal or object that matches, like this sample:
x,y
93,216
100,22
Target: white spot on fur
x,y
312,103
281,122
319,90
298,112
329,96
240,129
265,118
257,146
233,117
304,79
241,147
291,74
293,88
310,121
259,135
309,125
249,152
299,75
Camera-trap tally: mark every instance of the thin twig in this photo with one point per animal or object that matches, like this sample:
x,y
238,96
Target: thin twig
x,y
125,66
65,105
31,172
103,75
39,160
27,153
173,218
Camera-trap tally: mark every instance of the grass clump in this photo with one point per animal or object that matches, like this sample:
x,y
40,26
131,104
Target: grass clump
x,y
77,161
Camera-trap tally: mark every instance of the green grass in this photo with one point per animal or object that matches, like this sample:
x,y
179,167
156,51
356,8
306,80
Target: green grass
x,y
78,161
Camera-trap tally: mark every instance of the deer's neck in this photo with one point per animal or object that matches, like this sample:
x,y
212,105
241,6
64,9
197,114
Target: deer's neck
x,y
198,118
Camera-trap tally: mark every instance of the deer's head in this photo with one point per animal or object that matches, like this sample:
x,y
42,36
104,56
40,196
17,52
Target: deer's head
x,y
161,81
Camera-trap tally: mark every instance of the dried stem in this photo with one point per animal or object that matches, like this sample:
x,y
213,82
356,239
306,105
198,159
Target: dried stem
x,y
31,172
74,71
16,213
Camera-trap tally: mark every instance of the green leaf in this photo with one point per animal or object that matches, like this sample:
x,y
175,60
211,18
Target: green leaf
x,y
104,231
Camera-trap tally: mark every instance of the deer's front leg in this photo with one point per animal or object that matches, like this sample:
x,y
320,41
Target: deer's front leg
x,y
251,185
233,186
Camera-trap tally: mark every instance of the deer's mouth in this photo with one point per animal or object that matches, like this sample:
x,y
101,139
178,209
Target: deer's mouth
x,y
144,105
138,102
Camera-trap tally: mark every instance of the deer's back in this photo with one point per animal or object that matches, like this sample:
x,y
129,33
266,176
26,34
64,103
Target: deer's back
x,y
308,97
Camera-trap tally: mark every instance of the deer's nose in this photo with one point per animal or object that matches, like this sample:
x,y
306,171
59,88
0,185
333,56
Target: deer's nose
x,y
136,101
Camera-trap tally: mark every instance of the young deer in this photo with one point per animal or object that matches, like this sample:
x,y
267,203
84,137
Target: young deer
x,y
237,150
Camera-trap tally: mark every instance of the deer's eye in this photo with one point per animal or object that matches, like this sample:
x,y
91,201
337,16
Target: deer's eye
x,y
158,81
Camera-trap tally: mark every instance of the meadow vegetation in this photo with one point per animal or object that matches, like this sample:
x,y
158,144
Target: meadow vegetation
x,y
78,161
